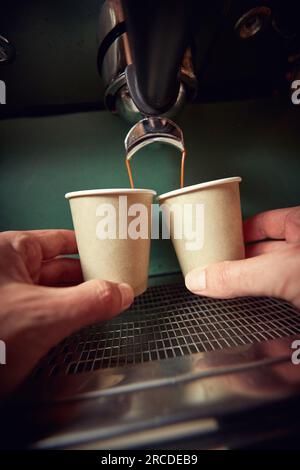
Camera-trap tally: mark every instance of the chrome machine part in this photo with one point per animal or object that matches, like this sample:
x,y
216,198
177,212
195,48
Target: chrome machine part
x,y
174,364
113,58
124,105
153,129
169,322
252,22
7,51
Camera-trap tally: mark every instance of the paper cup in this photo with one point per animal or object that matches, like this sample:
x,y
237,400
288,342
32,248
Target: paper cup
x,y
215,208
112,245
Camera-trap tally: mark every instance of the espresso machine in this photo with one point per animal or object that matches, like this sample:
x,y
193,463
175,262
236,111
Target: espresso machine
x,y
149,56
147,70
175,370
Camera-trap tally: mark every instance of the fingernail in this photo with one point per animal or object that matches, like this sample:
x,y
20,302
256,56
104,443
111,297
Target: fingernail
x,y
195,280
127,295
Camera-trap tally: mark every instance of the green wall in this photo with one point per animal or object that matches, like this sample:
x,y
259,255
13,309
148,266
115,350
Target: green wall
x,y
44,157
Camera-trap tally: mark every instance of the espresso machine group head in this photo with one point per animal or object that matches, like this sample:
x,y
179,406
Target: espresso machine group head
x,y
145,60
145,57
155,55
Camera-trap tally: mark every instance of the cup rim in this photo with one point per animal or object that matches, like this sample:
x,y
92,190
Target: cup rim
x,y
195,187
103,192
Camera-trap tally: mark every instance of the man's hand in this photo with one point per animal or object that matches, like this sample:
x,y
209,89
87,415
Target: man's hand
x,y
272,267
34,318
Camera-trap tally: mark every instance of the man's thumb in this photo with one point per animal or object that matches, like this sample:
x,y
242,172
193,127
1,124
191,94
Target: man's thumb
x,y
256,276
91,302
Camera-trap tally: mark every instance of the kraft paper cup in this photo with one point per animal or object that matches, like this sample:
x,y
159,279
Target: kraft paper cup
x,y
121,258
219,232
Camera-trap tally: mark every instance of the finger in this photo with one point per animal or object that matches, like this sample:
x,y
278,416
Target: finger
x,y
277,224
260,248
90,302
292,221
34,246
60,271
40,317
257,276
56,242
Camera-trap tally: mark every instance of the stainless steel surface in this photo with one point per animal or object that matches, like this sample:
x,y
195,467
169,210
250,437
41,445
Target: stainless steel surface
x,y
253,22
111,15
118,99
168,321
7,50
124,105
264,376
150,130
117,56
114,64
171,359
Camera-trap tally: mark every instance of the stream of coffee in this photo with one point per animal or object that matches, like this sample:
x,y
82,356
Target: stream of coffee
x,y
183,156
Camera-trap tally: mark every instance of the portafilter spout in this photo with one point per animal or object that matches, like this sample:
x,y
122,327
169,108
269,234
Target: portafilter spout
x,y
154,129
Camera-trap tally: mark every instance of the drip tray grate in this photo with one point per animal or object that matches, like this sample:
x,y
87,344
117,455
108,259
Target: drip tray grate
x,y
168,321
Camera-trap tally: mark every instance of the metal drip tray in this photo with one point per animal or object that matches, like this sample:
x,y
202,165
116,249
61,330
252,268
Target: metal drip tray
x,y
166,322
174,364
